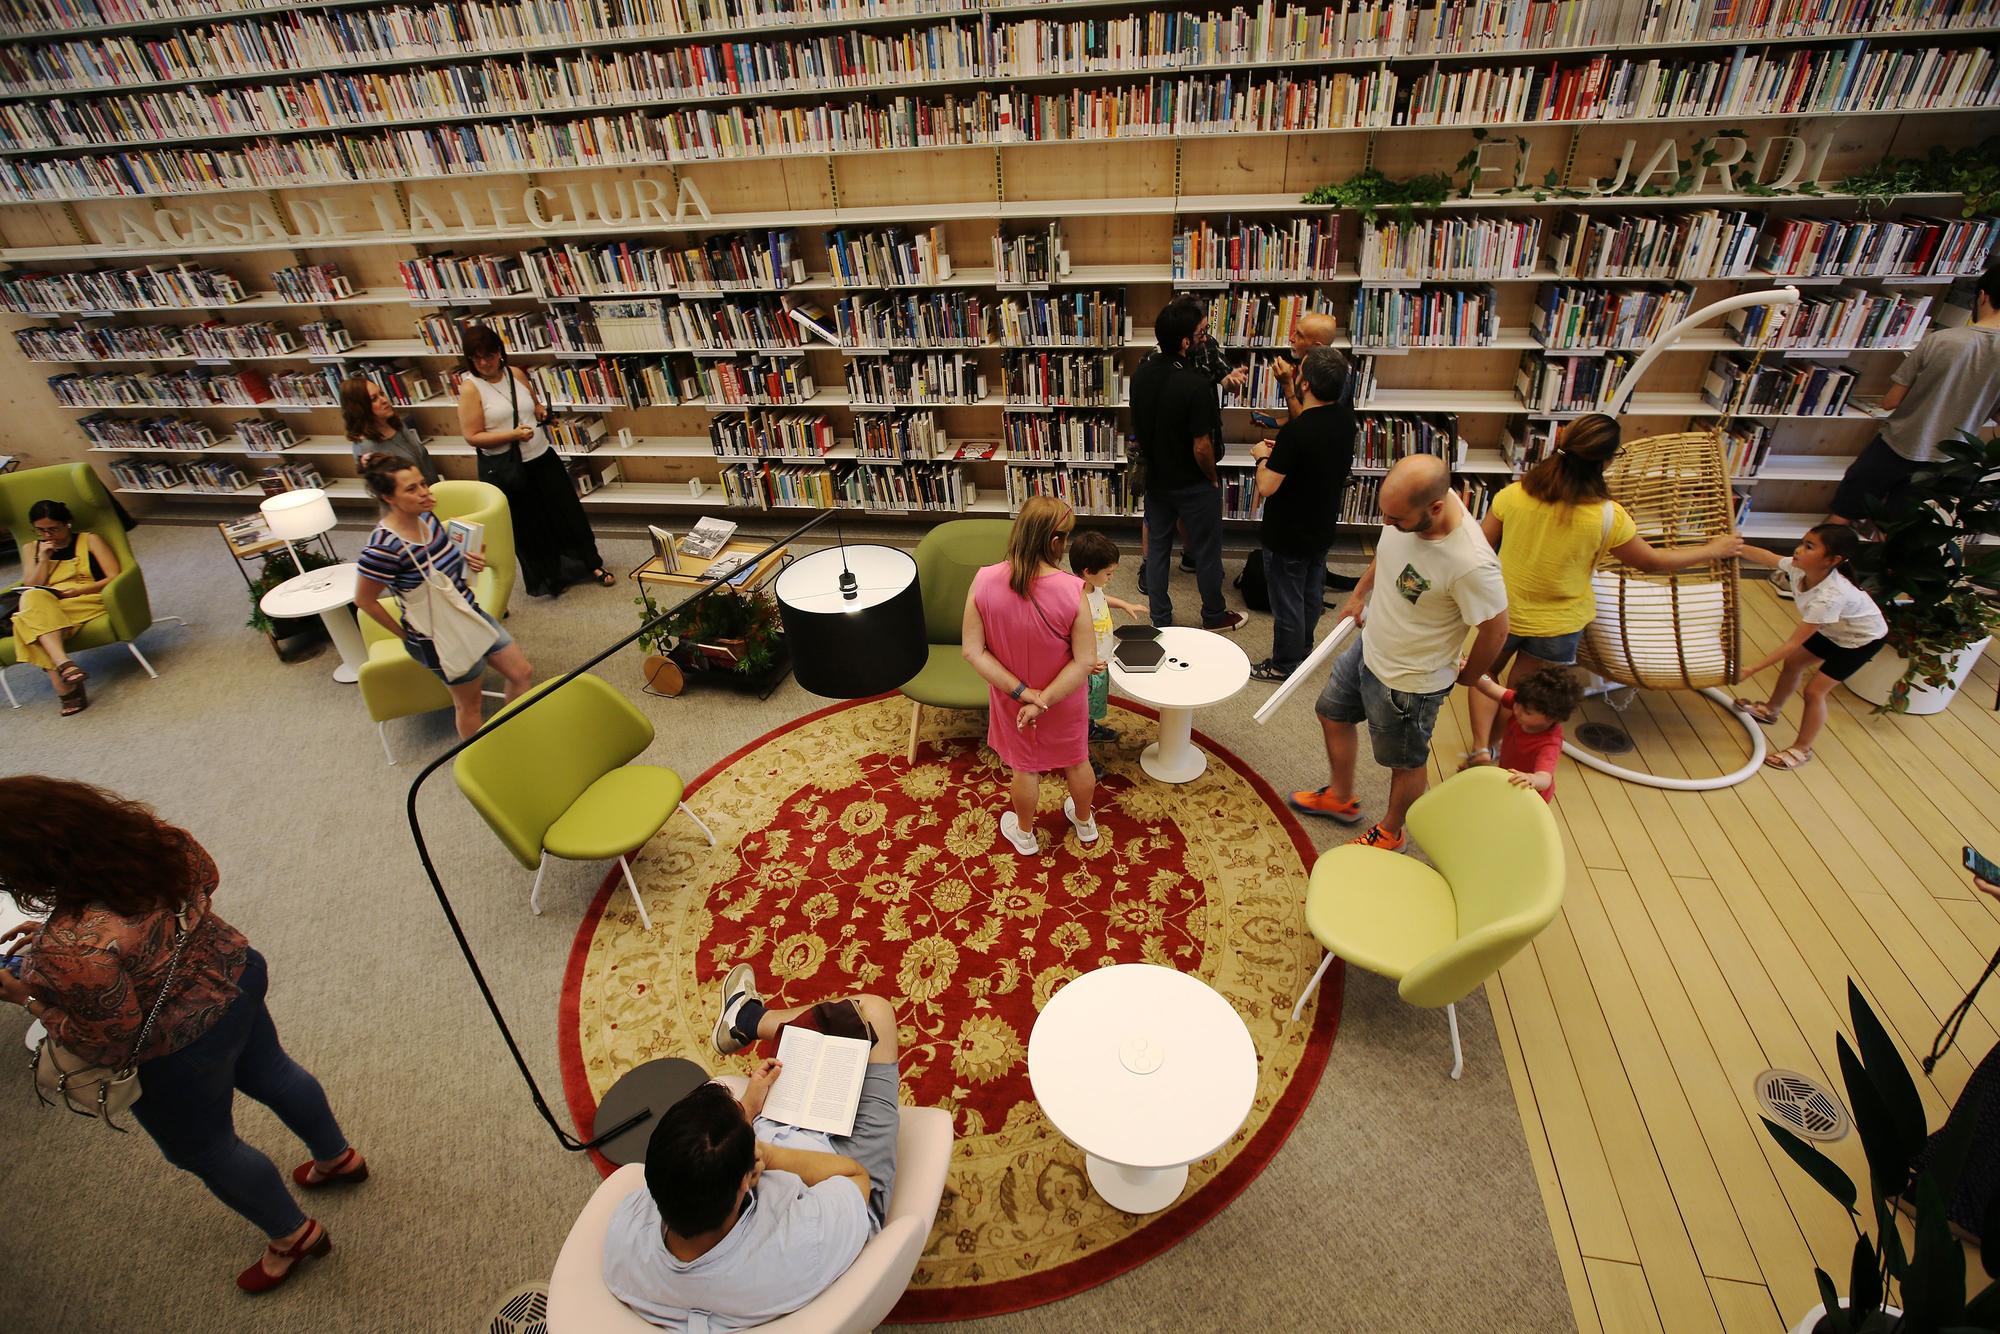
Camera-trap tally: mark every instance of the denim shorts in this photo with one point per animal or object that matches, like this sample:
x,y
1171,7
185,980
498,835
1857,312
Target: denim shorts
x,y
1399,722
1555,650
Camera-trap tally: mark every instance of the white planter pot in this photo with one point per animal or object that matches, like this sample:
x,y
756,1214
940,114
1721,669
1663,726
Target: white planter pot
x,y
1877,677
1812,1317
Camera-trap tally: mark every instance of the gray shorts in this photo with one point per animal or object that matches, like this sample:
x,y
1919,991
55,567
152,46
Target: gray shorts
x,y
1399,723
873,1143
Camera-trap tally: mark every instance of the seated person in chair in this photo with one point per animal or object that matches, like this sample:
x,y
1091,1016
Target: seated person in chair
x,y
745,1219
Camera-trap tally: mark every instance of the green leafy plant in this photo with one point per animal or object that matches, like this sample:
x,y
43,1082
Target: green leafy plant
x,y
1371,190
277,569
1926,570
1927,1281
1972,173
752,618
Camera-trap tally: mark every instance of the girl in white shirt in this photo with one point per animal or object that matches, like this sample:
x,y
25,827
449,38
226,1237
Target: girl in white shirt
x,y
1840,627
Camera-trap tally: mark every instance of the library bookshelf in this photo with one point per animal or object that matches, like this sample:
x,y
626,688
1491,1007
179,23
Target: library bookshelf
x,y
991,277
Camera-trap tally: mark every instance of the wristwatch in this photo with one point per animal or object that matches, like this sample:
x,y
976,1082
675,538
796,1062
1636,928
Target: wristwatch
x,y
1019,687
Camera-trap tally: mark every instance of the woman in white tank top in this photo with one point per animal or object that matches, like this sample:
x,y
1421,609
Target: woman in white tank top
x,y
499,415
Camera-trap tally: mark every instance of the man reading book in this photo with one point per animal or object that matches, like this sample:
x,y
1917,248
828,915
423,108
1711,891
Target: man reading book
x,y
745,1218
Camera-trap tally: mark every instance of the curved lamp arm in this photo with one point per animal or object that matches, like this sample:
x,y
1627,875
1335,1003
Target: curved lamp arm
x,y
1629,382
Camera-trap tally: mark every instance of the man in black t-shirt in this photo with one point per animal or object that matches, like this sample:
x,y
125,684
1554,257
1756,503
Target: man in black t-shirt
x,y
1177,425
1300,477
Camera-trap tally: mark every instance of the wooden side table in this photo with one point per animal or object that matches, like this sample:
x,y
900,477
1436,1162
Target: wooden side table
x,y
667,673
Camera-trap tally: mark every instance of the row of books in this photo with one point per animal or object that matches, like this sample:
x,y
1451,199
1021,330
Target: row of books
x,y
1078,317
105,431
607,382
1397,317
1070,436
197,387
153,287
1102,491
1746,83
1380,441
326,337
761,380
918,487
309,284
1708,243
1249,318
1866,247
1030,257
1450,249
940,377
901,435
1264,31
1746,445
576,433
445,277
894,257
1569,317
1568,384
1260,388
1815,390
81,343
212,478
260,436
1064,379
771,434
1301,249
1844,318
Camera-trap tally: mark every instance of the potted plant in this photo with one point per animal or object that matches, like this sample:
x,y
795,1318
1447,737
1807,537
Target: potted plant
x,y
720,632
1925,573
1890,1289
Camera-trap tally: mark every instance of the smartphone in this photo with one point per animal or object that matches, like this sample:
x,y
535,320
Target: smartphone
x,y
13,963
1266,420
1981,867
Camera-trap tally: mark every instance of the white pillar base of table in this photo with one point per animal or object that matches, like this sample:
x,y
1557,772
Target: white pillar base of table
x,y
1174,758
1136,1190
346,636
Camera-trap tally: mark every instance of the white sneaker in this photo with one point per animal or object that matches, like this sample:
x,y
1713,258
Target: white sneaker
x,y
1024,842
1086,830
740,985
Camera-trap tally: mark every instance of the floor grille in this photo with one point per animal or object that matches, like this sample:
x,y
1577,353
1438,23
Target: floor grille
x,y
1803,1104
1604,738
525,1310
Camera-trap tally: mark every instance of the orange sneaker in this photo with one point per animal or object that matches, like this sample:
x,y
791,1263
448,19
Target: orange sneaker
x,y
1318,801
1378,837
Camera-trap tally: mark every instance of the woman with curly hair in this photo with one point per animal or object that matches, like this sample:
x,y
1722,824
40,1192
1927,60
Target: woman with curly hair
x,y
121,889
373,427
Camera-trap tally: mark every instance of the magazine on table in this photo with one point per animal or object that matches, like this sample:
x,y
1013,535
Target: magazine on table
x,y
735,566
663,547
707,538
820,1086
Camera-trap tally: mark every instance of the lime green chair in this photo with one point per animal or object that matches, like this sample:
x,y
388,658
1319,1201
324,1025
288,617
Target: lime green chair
x,y
1498,880
395,685
559,781
127,613
947,558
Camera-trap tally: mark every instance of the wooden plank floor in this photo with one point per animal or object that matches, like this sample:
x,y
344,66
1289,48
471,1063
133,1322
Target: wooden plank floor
x,y
1707,936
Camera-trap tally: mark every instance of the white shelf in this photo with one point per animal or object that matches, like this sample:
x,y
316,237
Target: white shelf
x,y
1778,525
1802,468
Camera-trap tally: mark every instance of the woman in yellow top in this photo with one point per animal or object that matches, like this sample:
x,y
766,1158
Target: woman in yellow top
x,y
66,575
1550,529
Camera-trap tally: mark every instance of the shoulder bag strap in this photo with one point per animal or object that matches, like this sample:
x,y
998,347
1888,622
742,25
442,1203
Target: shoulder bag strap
x,y
181,934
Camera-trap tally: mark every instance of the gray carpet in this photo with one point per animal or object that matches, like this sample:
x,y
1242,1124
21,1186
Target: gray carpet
x,y
1402,1201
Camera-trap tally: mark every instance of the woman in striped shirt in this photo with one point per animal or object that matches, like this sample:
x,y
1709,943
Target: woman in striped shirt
x,y
389,564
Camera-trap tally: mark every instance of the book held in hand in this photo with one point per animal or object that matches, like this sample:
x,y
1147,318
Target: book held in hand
x,y
820,1087
707,538
467,536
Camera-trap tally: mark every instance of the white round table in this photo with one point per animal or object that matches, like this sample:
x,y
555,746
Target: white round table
x,y
1215,669
326,593
1146,1070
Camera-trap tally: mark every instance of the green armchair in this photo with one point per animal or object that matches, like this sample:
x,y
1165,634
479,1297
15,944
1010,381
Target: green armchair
x,y
127,613
947,558
1495,881
395,685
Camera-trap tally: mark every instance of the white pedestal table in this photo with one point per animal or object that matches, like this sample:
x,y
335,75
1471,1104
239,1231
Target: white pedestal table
x,y
1201,668
327,593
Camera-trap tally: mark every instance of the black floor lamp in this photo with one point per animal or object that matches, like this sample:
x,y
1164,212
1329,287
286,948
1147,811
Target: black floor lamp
x,y
858,632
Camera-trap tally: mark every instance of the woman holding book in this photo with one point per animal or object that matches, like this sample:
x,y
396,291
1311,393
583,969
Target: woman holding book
x,y
65,575
374,428
134,969
408,544
1028,631
501,417
1556,522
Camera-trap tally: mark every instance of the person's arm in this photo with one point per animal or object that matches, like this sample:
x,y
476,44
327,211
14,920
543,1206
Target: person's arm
x,y
69,974
1760,556
1356,605
1082,656
1491,526
1485,648
472,421
368,601
1129,608
1536,779
1892,397
972,647
1488,687
1267,480
540,409
1643,556
812,1167
1204,458
35,569
1805,631
96,548
758,1089
1286,373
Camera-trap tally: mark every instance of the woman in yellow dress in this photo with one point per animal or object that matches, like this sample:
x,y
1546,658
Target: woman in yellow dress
x,y
66,575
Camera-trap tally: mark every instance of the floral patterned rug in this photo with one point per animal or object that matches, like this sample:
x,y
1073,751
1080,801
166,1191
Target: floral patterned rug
x,y
841,867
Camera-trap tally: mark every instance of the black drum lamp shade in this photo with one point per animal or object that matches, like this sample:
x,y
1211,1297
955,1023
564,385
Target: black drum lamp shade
x,y
854,618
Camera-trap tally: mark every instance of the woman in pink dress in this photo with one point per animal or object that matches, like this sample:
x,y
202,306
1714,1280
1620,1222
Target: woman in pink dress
x,y
1028,632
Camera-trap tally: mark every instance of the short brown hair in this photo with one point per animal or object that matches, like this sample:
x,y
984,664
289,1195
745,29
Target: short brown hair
x,y
1551,692
1091,551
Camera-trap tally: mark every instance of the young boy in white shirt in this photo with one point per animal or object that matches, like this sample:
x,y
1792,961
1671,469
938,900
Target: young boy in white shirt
x,y
1093,557
1840,628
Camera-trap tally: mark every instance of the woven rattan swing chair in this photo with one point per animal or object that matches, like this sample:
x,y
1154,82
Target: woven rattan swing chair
x,y
1675,631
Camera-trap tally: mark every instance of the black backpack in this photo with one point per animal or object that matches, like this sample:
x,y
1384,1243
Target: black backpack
x,y
1250,583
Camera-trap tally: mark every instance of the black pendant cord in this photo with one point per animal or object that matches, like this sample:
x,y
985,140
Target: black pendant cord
x,y
848,591
564,1137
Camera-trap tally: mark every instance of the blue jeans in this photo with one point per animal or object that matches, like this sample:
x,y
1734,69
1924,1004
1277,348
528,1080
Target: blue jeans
x,y
1200,506
1399,721
185,1105
1296,586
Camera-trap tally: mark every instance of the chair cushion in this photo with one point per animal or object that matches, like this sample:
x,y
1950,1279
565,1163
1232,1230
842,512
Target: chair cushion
x,y
1383,911
616,814
947,681
395,685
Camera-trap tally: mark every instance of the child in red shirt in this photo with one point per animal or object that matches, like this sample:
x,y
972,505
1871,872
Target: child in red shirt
x,y
1534,712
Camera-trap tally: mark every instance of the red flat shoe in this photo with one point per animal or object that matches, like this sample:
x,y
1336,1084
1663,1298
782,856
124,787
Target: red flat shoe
x,y
315,1243
350,1169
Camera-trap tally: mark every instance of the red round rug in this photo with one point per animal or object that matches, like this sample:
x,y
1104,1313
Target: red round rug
x,y
841,868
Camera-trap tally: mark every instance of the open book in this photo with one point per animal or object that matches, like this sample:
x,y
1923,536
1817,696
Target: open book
x,y
821,1084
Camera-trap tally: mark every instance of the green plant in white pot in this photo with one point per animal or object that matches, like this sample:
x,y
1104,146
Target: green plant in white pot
x,y
1934,555
1926,1281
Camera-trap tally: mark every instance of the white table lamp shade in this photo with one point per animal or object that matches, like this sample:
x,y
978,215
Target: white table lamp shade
x,y
298,515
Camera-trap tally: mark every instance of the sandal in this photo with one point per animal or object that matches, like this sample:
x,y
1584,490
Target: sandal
x,y
350,1169
1791,757
1758,709
1476,759
75,702
314,1244
72,674
605,577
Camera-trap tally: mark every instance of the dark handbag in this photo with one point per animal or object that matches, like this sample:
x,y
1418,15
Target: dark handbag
x,y
504,468
10,605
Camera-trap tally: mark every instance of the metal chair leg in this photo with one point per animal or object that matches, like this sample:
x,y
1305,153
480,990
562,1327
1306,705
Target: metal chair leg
x,y
12,703
1457,1052
535,894
633,885
382,730
142,660
177,620
1319,972
688,811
